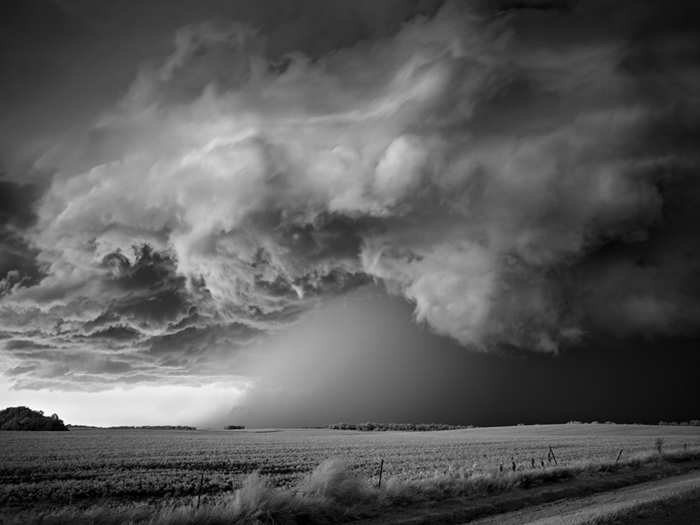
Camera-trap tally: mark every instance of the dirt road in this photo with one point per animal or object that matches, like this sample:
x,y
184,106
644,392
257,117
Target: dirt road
x,y
585,497
586,509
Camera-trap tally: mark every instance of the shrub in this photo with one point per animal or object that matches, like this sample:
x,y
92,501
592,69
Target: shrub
x,y
335,481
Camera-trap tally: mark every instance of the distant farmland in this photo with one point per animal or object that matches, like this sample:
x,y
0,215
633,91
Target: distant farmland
x,y
120,466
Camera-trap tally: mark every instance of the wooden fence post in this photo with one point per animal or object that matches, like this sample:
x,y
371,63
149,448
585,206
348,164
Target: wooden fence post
x,y
381,471
199,491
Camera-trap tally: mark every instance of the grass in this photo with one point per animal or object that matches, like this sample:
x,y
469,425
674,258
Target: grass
x,y
41,469
334,493
680,508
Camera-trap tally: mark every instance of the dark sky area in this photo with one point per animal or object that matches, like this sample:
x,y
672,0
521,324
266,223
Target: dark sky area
x,y
296,213
374,364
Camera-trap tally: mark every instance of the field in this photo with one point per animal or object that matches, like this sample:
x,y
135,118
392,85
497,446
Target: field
x,y
113,467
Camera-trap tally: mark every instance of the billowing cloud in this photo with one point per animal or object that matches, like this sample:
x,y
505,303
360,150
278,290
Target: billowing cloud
x,y
472,168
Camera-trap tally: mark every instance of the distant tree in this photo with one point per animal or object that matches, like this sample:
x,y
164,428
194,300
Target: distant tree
x,y
400,427
23,418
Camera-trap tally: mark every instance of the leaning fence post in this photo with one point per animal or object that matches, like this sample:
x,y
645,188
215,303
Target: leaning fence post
x,y
553,456
199,492
619,455
381,470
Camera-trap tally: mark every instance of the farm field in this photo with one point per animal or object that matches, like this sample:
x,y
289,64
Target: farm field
x,y
84,466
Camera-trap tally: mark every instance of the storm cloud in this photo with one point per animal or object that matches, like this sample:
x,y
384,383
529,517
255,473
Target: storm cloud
x,y
521,185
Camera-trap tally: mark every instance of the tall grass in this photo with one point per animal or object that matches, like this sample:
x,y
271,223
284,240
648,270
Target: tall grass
x,y
334,493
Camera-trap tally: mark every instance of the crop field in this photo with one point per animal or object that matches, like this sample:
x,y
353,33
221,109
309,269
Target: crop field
x,y
85,466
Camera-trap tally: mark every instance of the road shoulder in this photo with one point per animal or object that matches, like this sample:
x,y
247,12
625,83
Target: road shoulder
x,y
468,509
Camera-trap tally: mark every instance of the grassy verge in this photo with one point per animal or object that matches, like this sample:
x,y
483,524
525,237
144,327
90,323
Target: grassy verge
x,y
333,493
679,509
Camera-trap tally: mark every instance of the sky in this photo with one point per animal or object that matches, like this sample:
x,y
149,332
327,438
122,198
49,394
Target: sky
x,y
299,213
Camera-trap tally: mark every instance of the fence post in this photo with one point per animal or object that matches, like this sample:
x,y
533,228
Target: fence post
x,y
199,491
553,456
381,471
619,455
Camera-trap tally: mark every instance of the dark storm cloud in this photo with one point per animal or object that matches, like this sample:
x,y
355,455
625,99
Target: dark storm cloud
x,y
18,265
193,341
19,370
649,286
119,332
23,344
152,291
64,61
522,172
16,201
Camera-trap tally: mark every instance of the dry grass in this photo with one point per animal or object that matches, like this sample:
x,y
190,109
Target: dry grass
x,y
333,493
683,507
129,466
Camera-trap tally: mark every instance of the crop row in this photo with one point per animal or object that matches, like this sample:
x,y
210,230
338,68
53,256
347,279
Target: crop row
x,y
87,465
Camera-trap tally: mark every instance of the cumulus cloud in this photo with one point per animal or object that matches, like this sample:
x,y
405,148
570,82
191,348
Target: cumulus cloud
x,y
469,167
